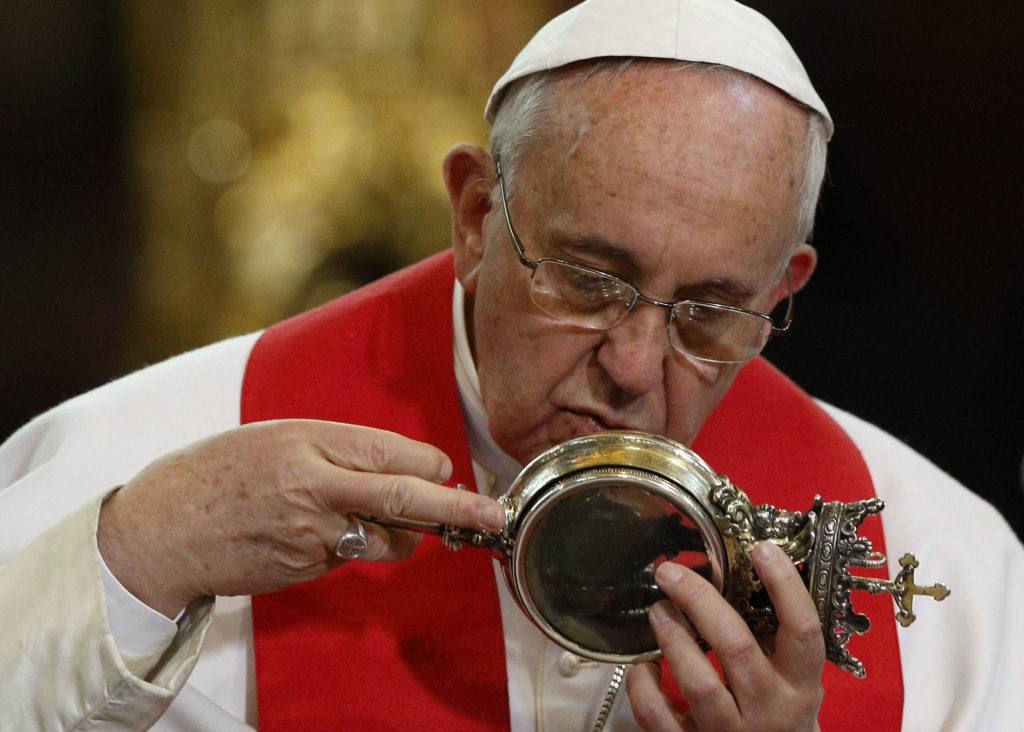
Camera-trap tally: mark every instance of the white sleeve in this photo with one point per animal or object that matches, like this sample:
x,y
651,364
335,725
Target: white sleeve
x,y
963,657
56,644
141,633
62,667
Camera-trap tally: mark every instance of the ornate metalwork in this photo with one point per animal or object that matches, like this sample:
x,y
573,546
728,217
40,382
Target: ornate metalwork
x,y
902,588
793,531
500,543
588,521
837,549
827,573
746,525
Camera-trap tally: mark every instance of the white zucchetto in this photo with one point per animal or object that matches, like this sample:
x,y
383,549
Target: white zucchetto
x,y
708,31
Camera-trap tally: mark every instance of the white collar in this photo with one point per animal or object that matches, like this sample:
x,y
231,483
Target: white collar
x,y
482,447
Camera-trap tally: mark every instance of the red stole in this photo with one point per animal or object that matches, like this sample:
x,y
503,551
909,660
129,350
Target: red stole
x,y
419,644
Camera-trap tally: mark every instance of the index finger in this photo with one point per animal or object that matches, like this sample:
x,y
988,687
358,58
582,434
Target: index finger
x,y
799,645
379,451
410,498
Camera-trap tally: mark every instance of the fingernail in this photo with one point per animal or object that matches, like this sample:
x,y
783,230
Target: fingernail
x,y
491,516
768,552
446,471
668,572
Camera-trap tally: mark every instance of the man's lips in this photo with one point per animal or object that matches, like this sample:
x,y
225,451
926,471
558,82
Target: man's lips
x,y
589,422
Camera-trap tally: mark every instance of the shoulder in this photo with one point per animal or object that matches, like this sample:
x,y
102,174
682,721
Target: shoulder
x,y
962,668
100,439
173,397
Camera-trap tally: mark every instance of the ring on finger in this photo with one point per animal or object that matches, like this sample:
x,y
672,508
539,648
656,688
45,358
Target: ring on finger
x,y
352,542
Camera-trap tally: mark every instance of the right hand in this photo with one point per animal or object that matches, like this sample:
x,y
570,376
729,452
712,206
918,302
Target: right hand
x,y
260,507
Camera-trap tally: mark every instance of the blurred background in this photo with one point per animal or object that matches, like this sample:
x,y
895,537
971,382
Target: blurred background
x,y
175,173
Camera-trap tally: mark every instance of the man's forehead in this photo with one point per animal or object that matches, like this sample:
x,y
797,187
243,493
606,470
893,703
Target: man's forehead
x,y
658,91
644,124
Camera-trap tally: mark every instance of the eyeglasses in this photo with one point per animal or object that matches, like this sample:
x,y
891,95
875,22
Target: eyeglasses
x,y
592,299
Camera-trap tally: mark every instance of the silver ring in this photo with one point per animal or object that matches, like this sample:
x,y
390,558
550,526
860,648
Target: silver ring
x,y
352,542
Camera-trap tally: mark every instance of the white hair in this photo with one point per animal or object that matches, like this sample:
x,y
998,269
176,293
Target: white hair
x,y
526,105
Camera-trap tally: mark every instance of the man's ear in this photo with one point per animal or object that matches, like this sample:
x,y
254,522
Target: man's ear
x,y
469,175
801,266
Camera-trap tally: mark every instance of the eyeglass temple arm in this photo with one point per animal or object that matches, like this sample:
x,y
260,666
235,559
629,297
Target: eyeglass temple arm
x,y
516,244
787,319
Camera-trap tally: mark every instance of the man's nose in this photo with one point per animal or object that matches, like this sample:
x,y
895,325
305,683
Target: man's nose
x,y
634,352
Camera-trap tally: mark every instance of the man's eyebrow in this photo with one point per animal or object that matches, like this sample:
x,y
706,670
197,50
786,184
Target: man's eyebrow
x,y
601,248
627,266
727,292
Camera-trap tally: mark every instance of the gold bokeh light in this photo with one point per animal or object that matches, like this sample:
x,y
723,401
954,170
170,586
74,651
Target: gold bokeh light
x,y
286,151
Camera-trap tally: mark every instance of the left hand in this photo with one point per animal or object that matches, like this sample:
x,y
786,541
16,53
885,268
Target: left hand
x,y
761,691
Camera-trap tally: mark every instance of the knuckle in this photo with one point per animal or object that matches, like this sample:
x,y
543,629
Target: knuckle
x,y
738,647
395,498
285,433
692,592
645,710
296,532
680,631
360,448
455,507
807,632
704,691
802,704
377,450
815,696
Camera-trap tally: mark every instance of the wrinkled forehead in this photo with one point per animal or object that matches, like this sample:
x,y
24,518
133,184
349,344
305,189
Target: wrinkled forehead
x,y
655,117
650,96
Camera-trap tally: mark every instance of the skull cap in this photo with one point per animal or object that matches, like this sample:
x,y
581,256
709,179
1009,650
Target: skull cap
x,y
720,32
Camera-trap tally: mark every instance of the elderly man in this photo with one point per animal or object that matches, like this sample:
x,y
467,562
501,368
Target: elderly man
x,y
644,208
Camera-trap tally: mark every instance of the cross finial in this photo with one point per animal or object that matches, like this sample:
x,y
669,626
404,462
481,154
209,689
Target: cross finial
x,y
902,588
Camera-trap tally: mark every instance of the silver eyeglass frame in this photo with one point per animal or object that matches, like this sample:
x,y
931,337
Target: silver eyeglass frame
x,y
669,307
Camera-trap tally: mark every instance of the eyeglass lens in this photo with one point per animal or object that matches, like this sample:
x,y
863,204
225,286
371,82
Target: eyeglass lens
x,y
598,301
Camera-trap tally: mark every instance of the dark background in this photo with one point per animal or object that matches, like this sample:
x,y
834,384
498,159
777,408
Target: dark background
x,y
912,321
914,318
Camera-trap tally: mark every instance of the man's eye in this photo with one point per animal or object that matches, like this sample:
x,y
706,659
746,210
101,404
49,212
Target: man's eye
x,y
593,285
703,314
